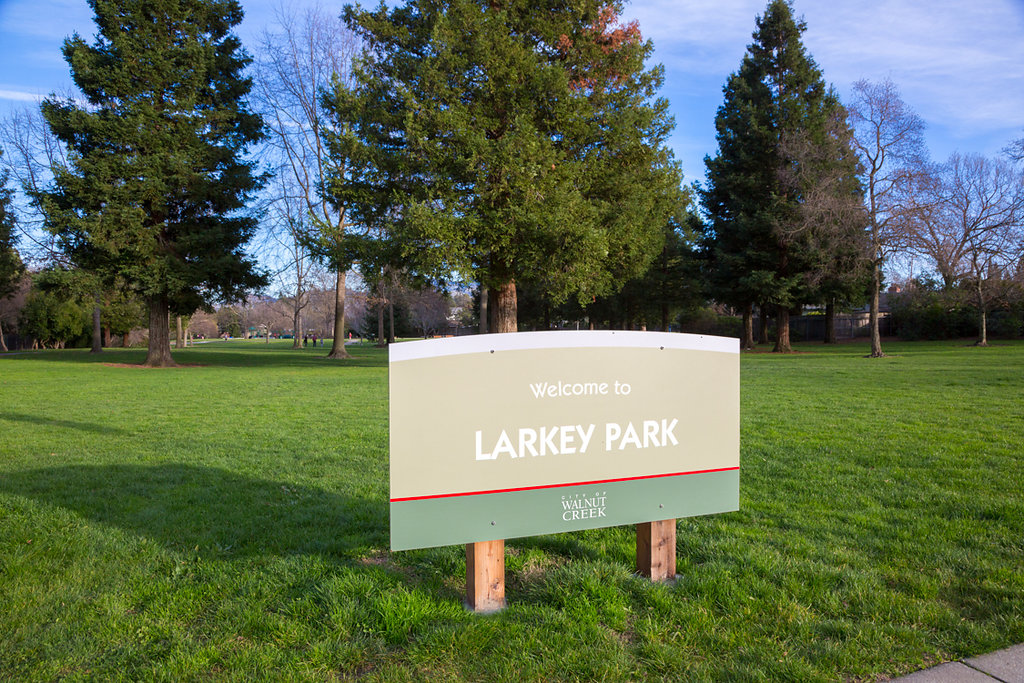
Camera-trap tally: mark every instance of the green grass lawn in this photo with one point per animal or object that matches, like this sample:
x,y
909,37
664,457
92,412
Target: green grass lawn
x,y
229,521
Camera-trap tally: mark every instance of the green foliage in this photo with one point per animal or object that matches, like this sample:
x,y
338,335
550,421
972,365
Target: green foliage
x,y
510,141
223,521
57,312
122,310
708,321
671,284
155,190
927,310
670,287
11,267
771,238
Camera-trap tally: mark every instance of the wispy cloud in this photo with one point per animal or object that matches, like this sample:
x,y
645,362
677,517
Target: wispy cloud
x,y
19,96
961,66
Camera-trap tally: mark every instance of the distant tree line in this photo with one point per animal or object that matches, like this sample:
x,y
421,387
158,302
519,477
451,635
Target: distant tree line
x,y
502,165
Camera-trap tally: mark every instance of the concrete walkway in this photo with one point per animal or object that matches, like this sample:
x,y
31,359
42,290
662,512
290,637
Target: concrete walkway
x,y
1005,666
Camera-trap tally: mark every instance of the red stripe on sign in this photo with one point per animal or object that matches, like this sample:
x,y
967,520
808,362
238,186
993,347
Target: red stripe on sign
x,y
556,486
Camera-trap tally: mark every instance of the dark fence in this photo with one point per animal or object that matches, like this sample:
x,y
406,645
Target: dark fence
x,y
801,328
16,343
848,326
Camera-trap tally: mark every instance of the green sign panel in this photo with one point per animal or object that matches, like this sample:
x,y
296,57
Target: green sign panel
x,y
508,435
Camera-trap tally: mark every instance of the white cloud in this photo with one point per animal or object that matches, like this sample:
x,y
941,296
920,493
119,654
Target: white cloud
x,y
959,65
19,96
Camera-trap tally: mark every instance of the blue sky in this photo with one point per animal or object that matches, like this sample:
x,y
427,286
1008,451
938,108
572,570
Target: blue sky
x,y
960,65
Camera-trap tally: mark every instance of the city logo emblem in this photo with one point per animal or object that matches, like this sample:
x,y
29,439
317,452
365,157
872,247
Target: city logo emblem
x,y
583,506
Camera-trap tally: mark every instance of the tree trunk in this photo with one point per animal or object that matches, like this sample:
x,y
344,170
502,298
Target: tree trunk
x,y
503,303
492,312
876,334
159,355
106,336
483,309
3,344
97,326
762,332
382,340
297,325
338,351
830,322
748,326
982,317
391,322
179,339
124,339
782,344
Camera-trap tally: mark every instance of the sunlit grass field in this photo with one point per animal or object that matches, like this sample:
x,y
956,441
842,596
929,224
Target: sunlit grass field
x,y
228,521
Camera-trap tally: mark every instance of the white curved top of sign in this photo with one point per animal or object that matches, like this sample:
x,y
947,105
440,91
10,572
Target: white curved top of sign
x,y
562,339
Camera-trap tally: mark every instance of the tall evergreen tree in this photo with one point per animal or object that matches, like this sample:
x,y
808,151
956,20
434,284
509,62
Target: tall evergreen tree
x,y
512,141
757,253
11,267
822,172
155,190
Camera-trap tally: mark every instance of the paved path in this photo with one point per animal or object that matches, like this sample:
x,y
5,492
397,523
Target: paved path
x,y
1004,666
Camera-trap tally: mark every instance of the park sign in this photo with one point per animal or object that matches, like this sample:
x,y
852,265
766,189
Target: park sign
x,y
507,435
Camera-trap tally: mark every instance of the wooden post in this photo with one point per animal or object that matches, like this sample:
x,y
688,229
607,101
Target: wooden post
x,y
485,576
656,550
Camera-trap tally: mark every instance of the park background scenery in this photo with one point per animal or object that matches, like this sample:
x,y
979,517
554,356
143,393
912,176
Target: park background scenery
x,y
228,520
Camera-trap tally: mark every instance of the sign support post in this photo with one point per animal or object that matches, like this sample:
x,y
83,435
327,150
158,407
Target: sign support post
x,y
485,576
656,550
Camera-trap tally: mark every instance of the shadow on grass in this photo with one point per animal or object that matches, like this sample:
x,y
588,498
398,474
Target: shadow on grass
x,y
63,424
210,511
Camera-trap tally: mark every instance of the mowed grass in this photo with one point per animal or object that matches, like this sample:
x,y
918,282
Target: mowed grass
x,y
228,521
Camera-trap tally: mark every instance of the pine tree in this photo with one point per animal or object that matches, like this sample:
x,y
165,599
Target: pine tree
x,y
155,190
512,141
831,221
757,253
11,267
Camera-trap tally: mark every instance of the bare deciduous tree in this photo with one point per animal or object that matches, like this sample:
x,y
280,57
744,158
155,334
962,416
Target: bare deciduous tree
x,y
295,65
31,151
203,325
1015,150
286,243
11,306
889,139
428,310
830,217
972,226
